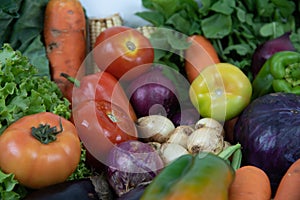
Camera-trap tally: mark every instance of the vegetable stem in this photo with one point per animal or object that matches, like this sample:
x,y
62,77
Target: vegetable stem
x,y
46,134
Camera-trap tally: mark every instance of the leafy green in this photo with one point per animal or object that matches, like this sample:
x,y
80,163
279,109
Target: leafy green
x,y
23,92
10,188
21,23
235,27
82,171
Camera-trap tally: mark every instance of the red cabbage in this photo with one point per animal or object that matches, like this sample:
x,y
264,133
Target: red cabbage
x,y
269,132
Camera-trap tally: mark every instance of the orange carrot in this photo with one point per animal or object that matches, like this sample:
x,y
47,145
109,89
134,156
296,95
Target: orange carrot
x,y
250,183
199,55
65,40
289,187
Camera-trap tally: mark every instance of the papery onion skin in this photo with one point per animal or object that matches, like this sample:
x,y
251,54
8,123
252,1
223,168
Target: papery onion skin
x,y
132,163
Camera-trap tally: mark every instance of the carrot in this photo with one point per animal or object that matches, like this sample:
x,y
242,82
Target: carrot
x,y
289,186
65,40
199,55
250,183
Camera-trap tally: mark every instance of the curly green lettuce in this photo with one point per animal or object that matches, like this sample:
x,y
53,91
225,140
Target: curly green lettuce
x,y
24,92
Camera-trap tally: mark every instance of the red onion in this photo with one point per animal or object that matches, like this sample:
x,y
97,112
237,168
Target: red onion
x,y
132,163
267,49
153,93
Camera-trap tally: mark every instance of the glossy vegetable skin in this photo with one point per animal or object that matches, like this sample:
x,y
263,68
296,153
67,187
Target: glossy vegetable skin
x,y
101,125
280,73
101,86
221,91
269,129
204,176
124,52
65,40
40,149
82,189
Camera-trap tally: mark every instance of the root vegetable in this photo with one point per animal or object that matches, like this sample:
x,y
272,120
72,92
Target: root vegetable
x,y
65,40
180,135
210,123
171,151
155,128
250,183
205,140
290,184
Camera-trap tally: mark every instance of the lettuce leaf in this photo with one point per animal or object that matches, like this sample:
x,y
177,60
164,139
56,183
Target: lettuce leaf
x,y
24,92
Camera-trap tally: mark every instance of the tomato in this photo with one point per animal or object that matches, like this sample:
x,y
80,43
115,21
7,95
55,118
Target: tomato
x,y
123,52
42,161
101,125
102,86
221,91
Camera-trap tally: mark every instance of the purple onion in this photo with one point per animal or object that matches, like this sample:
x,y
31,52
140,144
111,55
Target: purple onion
x,y
132,163
187,116
153,93
267,49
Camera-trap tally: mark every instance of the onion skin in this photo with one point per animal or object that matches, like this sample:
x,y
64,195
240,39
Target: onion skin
x,y
132,163
267,49
187,116
153,93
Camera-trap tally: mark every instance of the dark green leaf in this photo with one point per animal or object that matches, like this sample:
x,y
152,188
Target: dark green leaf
x,y
155,18
217,26
225,7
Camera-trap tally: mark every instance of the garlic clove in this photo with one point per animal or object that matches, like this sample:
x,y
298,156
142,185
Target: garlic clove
x,y
154,128
171,151
180,135
210,123
205,140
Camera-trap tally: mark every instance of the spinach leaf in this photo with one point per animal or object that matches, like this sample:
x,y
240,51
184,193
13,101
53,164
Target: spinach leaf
x,y
21,24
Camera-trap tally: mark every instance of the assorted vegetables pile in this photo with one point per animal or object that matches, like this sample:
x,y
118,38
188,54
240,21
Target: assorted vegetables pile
x,y
206,106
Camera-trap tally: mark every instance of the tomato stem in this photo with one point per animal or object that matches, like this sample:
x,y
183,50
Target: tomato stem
x,y
46,134
130,45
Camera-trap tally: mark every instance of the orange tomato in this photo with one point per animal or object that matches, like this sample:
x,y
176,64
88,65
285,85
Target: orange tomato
x,y
199,55
34,162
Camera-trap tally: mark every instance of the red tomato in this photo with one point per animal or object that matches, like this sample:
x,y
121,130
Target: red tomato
x,y
38,164
101,125
102,86
123,52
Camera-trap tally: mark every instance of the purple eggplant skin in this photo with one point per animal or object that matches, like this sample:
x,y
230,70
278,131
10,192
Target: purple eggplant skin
x,y
81,189
267,49
269,133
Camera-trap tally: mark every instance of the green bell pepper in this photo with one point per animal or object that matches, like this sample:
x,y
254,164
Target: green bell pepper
x,y
280,73
192,177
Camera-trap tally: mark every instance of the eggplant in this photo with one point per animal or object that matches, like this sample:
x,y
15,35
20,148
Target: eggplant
x,y
94,188
269,133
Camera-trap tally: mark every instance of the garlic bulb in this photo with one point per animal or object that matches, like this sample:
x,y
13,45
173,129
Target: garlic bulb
x,y
205,140
171,151
210,123
180,135
154,128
